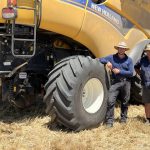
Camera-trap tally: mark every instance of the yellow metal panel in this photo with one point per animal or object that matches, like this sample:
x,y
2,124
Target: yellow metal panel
x,y
115,3
3,3
134,36
100,36
74,20
24,16
57,15
27,3
62,17
137,11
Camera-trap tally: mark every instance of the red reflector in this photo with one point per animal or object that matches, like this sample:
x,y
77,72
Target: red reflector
x,y
11,3
9,13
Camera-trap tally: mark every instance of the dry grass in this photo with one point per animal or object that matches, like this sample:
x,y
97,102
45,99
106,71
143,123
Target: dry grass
x,y
27,130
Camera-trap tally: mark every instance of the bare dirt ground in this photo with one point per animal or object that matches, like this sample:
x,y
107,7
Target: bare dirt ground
x,y
28,130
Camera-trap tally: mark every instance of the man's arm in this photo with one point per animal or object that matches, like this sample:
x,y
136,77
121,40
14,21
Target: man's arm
x,y
128,73
107,61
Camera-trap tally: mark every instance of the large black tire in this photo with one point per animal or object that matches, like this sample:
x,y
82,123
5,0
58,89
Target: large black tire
x,y
136,90
72,85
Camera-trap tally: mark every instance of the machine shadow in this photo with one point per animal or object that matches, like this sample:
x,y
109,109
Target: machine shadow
x,y
10,114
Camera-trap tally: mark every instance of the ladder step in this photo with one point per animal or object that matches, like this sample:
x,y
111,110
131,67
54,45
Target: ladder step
x,y
28,40
5,34
32,39
29,25
3,72
3,27
27,8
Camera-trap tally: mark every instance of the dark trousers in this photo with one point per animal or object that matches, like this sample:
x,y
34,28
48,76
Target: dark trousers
x,y
121,88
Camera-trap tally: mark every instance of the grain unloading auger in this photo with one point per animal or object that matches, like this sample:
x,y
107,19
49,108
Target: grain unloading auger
x,y
48,48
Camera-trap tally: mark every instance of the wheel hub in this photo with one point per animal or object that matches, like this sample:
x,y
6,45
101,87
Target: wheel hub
x,y
92,95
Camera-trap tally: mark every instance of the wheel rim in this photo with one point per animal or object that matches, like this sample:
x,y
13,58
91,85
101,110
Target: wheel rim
x,y
92,95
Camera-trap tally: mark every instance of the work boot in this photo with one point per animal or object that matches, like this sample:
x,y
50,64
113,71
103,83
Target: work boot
x,y
147,122
109,125
123,121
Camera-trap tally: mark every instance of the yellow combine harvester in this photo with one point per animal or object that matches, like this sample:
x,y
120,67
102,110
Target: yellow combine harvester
x,y
48,47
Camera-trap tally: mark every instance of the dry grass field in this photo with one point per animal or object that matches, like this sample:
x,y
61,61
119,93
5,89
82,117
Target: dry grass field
x,y
28,130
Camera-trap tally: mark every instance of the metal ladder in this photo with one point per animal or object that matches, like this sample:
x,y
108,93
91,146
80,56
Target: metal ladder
x,y
34,26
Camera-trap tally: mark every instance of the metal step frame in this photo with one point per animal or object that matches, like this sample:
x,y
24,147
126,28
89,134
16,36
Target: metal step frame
x,y
34,26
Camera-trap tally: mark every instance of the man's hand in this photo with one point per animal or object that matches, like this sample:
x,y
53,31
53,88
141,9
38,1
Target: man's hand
x,y
116,71
138,71
109,65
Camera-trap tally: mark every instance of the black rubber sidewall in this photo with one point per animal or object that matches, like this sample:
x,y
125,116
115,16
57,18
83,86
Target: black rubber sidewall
x,y
89,119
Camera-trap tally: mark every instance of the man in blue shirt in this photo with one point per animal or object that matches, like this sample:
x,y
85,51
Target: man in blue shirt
x,y
143,69
121,67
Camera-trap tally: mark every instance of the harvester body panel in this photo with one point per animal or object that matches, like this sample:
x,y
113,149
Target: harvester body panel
x,y
97,26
